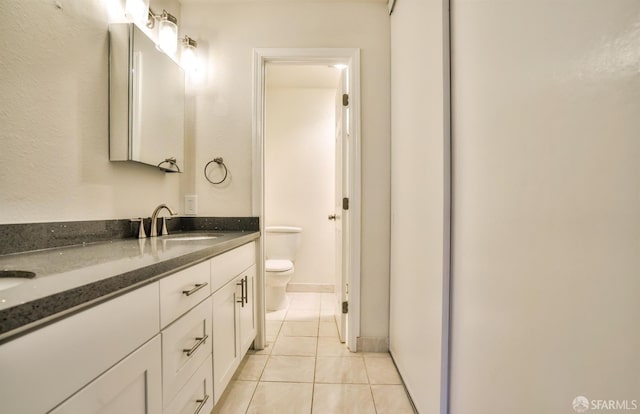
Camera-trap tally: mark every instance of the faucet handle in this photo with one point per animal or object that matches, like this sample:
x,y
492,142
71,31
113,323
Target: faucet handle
x,y
141,232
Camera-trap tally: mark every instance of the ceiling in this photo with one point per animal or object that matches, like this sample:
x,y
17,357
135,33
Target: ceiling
x,y
302,76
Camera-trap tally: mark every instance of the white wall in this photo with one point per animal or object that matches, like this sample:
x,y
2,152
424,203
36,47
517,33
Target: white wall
x,y
54,162
299,174
546,204
419,193
222,111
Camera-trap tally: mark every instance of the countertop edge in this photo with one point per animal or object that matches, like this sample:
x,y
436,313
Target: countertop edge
x,y
22,319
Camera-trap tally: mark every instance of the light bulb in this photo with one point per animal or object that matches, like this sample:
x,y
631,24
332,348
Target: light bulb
x,y
189,57
137,10
168,33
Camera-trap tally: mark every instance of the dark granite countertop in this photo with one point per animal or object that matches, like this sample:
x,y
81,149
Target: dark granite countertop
x,y
73,278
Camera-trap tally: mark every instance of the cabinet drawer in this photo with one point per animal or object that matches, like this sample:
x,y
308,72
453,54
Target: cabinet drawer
x,y
182,291
185,345
228,265
54,362
196,397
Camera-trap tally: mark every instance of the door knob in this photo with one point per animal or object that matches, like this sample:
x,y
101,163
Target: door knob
x,y
332,217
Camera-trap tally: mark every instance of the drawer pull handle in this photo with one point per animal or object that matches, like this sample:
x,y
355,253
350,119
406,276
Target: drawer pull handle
x,y
201,341
202,403
195,289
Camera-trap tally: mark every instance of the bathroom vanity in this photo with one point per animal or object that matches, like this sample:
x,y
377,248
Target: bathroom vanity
x,y
155,325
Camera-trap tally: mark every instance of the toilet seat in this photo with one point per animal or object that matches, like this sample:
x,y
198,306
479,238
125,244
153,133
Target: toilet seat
x,y
278,265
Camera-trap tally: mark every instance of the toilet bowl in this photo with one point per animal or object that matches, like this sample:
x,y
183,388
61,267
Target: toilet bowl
x,y
281,246
277,277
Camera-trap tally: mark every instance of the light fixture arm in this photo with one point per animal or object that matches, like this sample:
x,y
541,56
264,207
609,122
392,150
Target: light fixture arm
x,y
187,41
151,19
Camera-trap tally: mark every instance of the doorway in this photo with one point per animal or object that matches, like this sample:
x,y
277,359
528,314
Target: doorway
x,y
346,212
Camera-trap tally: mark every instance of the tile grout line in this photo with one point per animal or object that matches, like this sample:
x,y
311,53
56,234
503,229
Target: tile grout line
x,y
265,364
315,363
366,369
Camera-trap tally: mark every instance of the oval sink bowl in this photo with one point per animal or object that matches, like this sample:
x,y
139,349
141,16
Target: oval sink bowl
x,y
11,278
192,237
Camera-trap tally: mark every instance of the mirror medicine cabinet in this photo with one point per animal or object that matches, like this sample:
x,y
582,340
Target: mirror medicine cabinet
x,y
146,101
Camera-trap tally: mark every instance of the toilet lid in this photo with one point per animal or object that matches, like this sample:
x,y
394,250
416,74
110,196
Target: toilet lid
x,y
278,265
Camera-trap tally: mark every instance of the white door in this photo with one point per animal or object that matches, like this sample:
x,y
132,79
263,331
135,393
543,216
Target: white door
x,y
341,215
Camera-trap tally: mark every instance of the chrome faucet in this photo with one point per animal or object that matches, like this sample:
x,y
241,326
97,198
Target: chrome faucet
x,y
154,220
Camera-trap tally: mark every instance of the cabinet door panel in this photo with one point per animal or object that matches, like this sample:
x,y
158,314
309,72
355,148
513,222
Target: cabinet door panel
x,y
247,312
225,348
133,386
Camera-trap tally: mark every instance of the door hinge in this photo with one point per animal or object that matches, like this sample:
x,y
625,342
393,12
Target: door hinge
x,y
345,99
345,307
345,203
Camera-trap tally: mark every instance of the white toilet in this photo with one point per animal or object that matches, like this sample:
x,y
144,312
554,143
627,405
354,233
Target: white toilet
x,y
281,246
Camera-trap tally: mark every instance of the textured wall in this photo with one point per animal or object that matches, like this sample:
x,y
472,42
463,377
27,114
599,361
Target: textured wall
x,y
54,162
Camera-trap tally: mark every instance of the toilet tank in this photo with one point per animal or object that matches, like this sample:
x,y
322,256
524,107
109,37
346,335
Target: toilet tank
x,y
282,242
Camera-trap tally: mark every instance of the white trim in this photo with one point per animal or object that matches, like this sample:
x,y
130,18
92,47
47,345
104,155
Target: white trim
x,y
257,187
350,56
447,213
376,344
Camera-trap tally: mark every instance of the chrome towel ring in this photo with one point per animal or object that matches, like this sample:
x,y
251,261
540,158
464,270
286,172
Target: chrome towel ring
x,y
220,162
173,165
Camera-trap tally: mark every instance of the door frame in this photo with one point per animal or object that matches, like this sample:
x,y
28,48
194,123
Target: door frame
x,y
328,56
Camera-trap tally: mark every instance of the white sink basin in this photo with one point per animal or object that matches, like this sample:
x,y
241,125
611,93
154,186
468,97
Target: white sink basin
x,y
192,237
11,278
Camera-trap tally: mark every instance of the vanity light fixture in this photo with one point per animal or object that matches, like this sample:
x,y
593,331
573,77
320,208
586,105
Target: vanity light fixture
x,y
167,30
189,56
137,10
168,33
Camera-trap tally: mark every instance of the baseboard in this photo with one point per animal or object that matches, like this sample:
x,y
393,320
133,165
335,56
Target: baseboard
x,y
311,287
373,344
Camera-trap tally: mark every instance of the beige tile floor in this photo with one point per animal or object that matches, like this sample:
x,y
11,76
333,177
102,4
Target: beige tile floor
x,y
305,369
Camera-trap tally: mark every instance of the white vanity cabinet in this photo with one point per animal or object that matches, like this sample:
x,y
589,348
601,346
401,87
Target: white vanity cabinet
x,y
169,347
219,330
